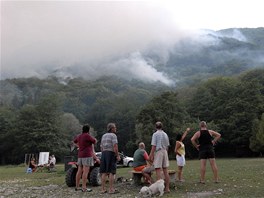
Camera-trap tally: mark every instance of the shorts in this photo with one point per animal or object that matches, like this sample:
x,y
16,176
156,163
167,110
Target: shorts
x,y
139,168
161,159
86,161
108,162
207,153
148,169
180,160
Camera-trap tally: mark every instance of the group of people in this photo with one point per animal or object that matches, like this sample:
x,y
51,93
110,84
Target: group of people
x,y
203,140
158,160
51,163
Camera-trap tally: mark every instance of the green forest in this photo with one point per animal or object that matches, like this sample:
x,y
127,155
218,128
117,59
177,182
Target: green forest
x,y
45,115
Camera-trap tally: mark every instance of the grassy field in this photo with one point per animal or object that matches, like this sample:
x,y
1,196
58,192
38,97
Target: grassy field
x,y
238,178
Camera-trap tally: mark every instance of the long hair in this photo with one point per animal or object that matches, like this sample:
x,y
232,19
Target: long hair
x,y
178,137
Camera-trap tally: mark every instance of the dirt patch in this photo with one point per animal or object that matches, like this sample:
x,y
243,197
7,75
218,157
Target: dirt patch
x,y
18,189
204,193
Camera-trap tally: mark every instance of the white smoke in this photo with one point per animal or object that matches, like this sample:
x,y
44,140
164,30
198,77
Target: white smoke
x,y
235,34
135,66
40,37
132,66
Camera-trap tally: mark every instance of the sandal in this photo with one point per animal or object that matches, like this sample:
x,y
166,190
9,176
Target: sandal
x,y
76,189
103,192
114,192
87,190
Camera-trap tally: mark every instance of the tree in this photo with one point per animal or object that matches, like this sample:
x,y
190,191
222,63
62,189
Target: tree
x,y
233,104
70,126
39,127
260,132
7,135
257,139
165,108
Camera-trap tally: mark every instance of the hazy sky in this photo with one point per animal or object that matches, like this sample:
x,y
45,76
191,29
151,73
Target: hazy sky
x,y
40,36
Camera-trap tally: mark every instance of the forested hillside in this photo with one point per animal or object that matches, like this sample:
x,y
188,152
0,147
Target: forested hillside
x,y
37,115
218,77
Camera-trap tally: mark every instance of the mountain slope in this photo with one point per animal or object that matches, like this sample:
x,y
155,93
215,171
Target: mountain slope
x,y
225,52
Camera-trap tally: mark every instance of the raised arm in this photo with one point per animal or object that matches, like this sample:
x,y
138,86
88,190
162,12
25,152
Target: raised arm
x,y
185,133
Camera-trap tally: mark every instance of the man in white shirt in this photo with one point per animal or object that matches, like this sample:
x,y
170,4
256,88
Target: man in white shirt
x,y
159,154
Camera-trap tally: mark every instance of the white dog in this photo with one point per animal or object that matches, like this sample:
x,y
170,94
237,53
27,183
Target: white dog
x,y
157,187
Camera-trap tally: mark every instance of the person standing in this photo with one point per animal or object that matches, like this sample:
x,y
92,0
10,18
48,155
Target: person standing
x,y
141,158
110,155
180,153
85,143
204,141
159,154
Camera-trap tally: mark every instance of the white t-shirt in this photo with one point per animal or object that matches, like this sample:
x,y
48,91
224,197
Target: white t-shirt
x,y
53,160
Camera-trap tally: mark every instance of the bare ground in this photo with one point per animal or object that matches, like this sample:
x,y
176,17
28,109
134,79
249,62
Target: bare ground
x,y
17,188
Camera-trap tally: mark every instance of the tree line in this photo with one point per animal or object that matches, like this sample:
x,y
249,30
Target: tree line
x,y
44,115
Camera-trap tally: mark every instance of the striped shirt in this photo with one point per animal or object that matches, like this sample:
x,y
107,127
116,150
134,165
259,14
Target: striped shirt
x,y
108,141
160,139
